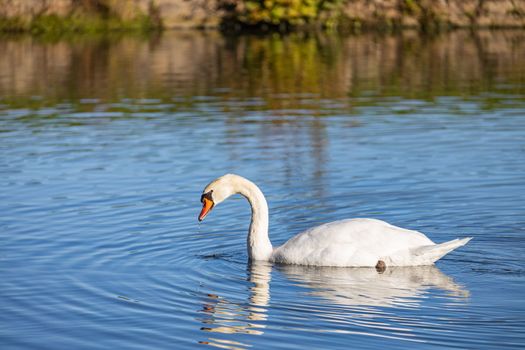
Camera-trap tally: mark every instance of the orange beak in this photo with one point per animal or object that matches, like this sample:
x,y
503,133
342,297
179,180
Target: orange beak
x,y
206,207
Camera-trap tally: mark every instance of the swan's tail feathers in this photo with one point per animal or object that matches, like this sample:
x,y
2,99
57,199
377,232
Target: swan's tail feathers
x,y
431,253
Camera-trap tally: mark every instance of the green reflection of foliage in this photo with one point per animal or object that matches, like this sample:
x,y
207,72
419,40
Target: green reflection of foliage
x,y
290,65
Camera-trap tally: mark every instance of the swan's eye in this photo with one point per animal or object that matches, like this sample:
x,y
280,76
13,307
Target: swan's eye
x,y
207,195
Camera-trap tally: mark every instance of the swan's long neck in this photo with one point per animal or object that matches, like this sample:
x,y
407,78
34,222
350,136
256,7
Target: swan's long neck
x,y
259,245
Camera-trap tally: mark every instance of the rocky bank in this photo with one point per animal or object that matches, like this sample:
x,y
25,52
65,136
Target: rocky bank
x,y
211,13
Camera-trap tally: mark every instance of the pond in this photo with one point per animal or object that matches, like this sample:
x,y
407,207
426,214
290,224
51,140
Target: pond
x,y
108,142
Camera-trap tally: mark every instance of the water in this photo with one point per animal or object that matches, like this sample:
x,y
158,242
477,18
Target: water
x,y
107,143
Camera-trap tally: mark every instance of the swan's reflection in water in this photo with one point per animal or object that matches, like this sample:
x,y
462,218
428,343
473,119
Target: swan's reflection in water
x,y
358,300
395,287
228,317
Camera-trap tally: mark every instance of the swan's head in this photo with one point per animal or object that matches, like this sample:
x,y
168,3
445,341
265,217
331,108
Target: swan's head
x,y
217,191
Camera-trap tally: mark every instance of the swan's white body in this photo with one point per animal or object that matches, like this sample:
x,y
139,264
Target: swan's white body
x,y
352,242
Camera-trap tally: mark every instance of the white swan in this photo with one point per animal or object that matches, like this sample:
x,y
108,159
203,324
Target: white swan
x,y
351,242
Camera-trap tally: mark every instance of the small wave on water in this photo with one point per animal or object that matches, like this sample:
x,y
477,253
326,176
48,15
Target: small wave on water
x,y
100,180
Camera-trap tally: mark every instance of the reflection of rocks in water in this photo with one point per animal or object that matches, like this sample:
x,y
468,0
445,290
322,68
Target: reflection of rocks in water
x,y
395,286
204,64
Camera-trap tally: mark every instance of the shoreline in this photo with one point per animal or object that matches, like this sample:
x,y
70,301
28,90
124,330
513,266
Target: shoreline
x,y
68,16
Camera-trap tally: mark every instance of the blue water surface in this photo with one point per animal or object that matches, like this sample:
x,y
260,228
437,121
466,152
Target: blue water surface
x,y
100,181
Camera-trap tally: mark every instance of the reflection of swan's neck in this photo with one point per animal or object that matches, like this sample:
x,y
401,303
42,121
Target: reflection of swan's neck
x,y
260,275
259,245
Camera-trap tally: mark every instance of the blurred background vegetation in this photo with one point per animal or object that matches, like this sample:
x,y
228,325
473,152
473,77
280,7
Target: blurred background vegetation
x,y
58,16
77,16
283,14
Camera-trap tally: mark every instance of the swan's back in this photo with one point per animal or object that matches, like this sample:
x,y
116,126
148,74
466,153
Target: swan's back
x,y
351,242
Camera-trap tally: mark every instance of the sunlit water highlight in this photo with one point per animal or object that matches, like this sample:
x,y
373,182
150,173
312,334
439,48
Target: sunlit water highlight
x,y
101,174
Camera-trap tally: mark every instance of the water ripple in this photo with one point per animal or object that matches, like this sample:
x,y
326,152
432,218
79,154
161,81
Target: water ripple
x,y
99,197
